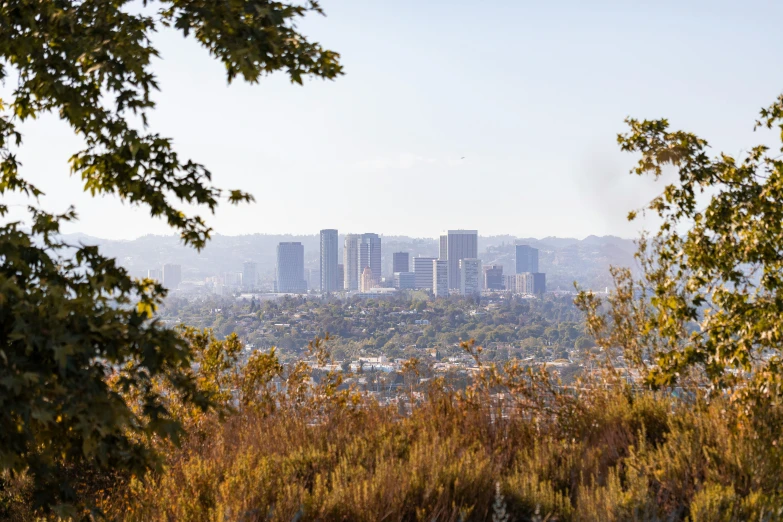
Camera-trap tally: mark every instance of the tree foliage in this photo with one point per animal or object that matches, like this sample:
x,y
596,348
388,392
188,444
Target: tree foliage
x,y
70,317
710,299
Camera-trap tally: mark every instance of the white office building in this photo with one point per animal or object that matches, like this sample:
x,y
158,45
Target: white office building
x,y
461,244
470,276
443,247
440,278
531,283
422,268
351,262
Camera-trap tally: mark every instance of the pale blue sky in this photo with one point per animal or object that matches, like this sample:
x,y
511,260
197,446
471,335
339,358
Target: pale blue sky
x,y
532,94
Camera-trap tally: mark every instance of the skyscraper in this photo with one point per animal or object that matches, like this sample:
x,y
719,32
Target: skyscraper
x,y
443,248
340,277
249,275
172,276
405,280
527,259
422,267
470,279
155,274
462,244
367,280
533,283
400,262
440,278
290,268
370,254
351,262
329,255
493,277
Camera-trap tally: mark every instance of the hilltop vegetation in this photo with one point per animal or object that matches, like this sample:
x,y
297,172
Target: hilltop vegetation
x,y
108,412
513,443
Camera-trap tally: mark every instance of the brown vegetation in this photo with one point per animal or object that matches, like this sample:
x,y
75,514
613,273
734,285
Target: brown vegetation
x,y
321,451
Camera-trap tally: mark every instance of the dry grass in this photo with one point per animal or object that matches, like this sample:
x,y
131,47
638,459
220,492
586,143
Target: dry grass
x,y
324,453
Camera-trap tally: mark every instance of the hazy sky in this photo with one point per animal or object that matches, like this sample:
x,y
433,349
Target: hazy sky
x,y
531,94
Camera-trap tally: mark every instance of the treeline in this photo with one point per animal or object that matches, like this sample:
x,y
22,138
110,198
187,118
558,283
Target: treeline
x,y
398,328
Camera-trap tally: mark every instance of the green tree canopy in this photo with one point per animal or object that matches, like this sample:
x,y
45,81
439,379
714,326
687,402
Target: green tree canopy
x,y
710,298
70,317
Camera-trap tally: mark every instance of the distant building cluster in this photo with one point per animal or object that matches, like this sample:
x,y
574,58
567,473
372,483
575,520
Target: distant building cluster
x,y
457,269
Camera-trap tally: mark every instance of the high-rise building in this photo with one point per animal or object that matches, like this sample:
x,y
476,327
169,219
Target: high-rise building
x,y
510,282
290,268
155,274
462,244
329,254
249,275
493,278
313,279
440,278
422,267
527,259
405,280
533,283
469,276
172,276
367,281
370,254
340,277
401,262
443,248
351,262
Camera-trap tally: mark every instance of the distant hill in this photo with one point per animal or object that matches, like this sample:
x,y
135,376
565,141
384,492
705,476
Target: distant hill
x,y
565,260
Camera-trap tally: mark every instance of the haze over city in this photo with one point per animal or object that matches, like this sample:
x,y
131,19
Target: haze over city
x,y
500,117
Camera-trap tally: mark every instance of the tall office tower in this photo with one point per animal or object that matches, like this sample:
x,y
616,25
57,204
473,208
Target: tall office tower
x,y
290,268
527,259
172,276
351,262
469,276
539,283
156,274
510,283
401,262
340,277
422,267
249,275
367,281
493,278
533,283
370,254
443,248
440,278
329,260
462,244
404,280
